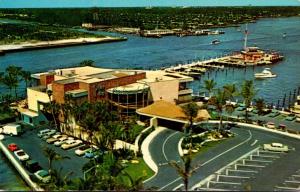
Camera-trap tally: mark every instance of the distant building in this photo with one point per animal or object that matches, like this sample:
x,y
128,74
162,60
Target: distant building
x,y
127,90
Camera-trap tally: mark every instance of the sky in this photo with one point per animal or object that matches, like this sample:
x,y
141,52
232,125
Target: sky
x,y
142,3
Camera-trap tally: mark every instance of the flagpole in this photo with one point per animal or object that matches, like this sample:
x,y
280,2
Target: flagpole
x,y
246,37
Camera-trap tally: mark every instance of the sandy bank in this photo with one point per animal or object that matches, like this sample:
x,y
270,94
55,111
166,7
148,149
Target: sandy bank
x,y
58,43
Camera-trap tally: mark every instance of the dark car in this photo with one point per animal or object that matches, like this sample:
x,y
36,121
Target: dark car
x,y
32,166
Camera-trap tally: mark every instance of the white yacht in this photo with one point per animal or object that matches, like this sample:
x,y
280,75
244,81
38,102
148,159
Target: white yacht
x,y
266,73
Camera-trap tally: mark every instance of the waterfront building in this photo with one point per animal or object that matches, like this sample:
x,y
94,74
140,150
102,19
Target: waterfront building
x,y
126,90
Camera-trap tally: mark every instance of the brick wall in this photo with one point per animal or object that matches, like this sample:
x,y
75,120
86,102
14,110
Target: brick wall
x,y
46,79
113,83
60,89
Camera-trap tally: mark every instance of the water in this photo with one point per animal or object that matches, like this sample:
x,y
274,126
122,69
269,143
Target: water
x,y
149,53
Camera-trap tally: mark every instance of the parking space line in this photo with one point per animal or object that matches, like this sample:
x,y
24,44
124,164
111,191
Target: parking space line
x,y
223,182
287,188
264,151
213,189
266,156
260,166
244,171
178,187
298,182
261,161
234,176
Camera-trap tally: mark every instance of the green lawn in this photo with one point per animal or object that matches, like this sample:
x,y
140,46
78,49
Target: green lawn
x,y
207,145
137,170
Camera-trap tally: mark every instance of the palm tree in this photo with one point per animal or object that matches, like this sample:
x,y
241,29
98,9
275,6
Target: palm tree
x,y
10,83
14,72
49,93
191,112
52,155
209,86
26,76
231,91
260,104
186,170
135,184
219,101
248,93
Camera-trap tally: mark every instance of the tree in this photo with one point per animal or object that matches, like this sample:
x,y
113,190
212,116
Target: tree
x,y
52,155
52,107
248,93
186,170
191,112
260,105
135,184
84,63
26,76
13,74
10,83
219,101
209,86
231,91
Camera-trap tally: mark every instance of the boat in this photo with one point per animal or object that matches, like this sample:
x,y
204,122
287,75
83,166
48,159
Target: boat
x,y
215,42
266,73
284,35
189,72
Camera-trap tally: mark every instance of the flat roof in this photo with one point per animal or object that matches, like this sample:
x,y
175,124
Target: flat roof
x,y
30,113
134,87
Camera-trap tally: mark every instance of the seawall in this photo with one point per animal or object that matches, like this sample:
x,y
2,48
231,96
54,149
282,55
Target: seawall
x,y
20,169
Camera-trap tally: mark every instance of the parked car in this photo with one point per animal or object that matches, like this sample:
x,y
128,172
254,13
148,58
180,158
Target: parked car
x,y
42,132
270,125
62,140
32,166
290,117
21,155
70,144
54,138
298,118
241,108
278,147
94,153
81,150
274,113
254,111
12,147
282,127
49,134
43,176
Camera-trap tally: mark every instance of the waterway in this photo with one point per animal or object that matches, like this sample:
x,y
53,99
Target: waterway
x,y
148,53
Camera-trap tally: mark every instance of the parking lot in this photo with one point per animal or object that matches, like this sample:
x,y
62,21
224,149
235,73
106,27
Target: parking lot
x,y
257,170
33,146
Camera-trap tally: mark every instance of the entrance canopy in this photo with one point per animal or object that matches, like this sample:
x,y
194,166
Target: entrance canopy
x,y
169,111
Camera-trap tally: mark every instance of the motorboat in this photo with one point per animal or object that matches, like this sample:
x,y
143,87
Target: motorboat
x,y
266,73
215,42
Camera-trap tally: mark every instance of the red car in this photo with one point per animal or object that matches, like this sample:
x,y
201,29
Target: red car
x,y
13,147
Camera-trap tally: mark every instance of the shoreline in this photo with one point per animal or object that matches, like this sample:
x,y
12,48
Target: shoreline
x,y
26,46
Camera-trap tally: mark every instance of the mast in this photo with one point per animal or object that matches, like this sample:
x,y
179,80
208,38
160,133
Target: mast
x,y
246,37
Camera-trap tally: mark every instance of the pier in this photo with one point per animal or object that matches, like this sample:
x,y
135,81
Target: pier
x,y
251,56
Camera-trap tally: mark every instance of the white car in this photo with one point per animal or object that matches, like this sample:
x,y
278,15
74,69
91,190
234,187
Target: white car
x,y
70,144
55,137
81,150
270,125
21,155
278,147
62,140
42,132
49,134
43,176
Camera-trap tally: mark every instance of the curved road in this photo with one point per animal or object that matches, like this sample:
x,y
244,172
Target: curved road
x,y
164,147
